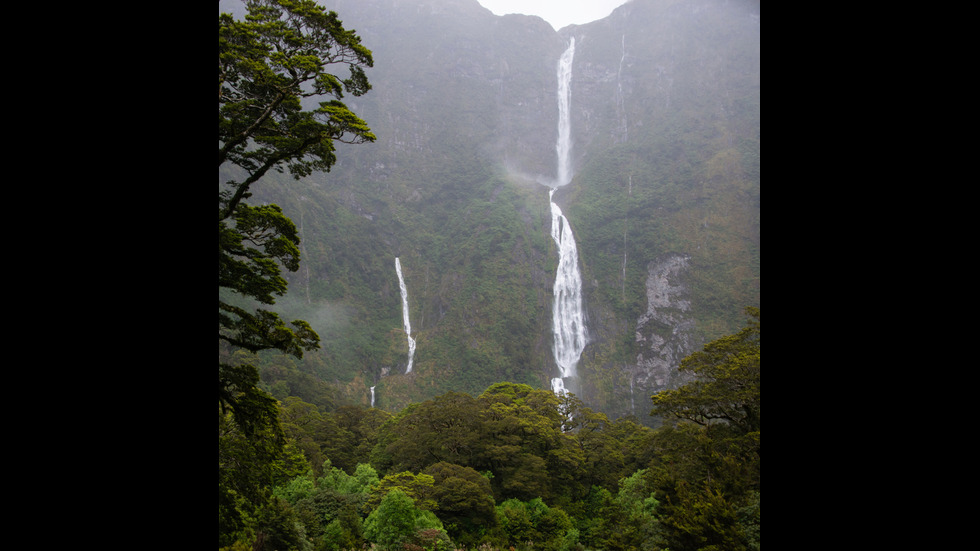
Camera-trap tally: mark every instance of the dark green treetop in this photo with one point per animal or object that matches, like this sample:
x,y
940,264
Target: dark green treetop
x,y
728,387
707,469
267,64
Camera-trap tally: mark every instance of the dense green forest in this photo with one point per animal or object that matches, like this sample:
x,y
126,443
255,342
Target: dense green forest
x,y
513,468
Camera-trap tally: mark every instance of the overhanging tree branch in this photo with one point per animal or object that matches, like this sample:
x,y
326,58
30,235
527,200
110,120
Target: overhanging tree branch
x,y
267,63
245,134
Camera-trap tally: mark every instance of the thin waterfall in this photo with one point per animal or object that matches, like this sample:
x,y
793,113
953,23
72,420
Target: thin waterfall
x,y
626,217
372,396
407,324
619,95
568,317
632,401
564,144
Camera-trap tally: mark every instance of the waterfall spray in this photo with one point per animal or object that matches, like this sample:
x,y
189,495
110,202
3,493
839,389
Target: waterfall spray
x,y
407,324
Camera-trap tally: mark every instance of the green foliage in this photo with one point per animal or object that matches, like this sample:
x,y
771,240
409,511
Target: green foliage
x,y
254,411
533,523
266,64
330,507
364,478
337,535
595,519
701,520
602,460
361,427
343,437
750,521
477,471
445,428
279,528
531,442
638,525
728,388
706,469
249,465
524,443
608,484
463,500
533,445
363,481
418,487
300,487
397,521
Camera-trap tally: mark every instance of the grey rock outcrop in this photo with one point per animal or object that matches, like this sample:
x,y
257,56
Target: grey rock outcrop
x,y
665,333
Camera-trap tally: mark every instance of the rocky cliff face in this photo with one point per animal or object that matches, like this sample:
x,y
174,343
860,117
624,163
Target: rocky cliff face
x,y
665,332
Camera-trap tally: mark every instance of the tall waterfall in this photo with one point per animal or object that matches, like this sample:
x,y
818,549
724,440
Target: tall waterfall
x,y
407,324
568,318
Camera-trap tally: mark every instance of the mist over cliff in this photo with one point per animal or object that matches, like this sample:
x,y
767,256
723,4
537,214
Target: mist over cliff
x,y
664,200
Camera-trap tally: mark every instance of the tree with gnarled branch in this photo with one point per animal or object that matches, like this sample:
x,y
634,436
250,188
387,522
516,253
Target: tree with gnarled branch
x,y
282,53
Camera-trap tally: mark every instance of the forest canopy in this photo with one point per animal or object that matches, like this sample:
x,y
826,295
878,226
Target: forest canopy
x,y
522,468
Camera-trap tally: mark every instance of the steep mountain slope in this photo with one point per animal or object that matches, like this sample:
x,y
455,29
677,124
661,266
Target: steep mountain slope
x,y
664,200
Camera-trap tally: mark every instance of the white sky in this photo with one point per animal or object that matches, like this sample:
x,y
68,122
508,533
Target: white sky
x,y
557,12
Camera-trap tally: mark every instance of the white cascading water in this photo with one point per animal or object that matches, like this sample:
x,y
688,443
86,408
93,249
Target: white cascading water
x,y
568,318
564,144
407,324
372,396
